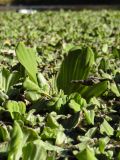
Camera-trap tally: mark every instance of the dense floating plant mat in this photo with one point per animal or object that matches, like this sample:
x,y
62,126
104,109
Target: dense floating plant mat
x,y
60,85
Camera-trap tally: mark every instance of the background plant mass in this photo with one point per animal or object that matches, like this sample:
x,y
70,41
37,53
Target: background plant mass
x,y
60,85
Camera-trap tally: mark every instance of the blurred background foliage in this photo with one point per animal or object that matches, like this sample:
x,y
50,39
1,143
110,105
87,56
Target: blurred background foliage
x,y
6,1
40,2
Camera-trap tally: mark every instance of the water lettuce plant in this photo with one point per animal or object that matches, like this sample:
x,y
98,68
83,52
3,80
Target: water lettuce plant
x,y
60,86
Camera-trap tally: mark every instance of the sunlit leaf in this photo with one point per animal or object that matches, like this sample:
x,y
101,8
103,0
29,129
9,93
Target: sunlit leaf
x,y
27,58
102,143
106,128
34,150
16,143
86,154
13,106
89,116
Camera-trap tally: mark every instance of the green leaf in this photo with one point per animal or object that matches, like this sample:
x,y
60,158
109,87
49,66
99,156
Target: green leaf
x,y
43,82
34,91
102,143
60,139
31,86
78,99
56,103
4,134
19,137
94,101
27,58
8,79
76,102
49,133
106,128
105,48
114,89
76,66
3,96
118,156
51,147
89,116
16,143
32,96
34,151
95,90
3,150
86,154
91,132
74,106
14,106
51,122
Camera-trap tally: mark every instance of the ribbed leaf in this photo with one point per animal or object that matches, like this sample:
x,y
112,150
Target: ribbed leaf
x,y
15,146
34,151
95,91
76,66
27,58
19,137
14,106
8,79
4,134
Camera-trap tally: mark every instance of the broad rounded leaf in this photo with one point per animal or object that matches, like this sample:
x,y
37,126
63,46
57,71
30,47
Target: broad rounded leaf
x,y
75,66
